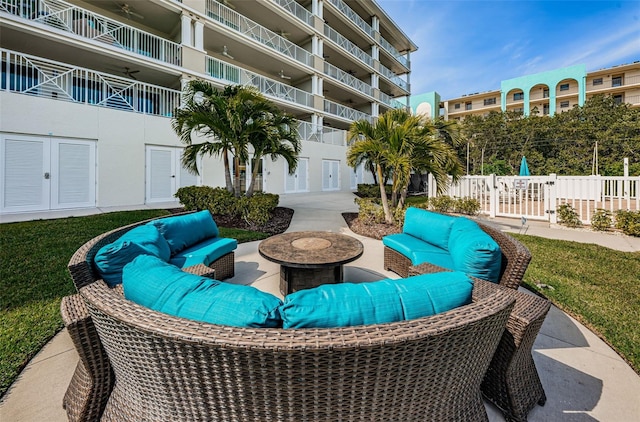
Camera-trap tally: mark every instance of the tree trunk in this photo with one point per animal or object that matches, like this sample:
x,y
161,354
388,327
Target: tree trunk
x,y
403,198
254,175
383,196
236,177
227,171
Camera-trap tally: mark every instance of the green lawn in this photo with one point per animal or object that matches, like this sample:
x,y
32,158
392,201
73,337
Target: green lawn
x,y
33,278
599,286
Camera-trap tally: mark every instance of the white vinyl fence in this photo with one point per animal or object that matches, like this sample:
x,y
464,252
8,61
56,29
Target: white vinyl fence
x,y
538,197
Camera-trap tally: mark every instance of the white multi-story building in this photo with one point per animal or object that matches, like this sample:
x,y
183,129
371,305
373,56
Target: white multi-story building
x,y
88,89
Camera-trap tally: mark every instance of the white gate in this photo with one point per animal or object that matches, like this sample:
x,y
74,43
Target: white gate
x,y
538,197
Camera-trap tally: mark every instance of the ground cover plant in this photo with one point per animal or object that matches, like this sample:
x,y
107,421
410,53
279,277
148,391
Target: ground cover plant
x,y
34,277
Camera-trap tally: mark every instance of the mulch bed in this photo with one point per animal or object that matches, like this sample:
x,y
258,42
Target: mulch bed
x,y
376,231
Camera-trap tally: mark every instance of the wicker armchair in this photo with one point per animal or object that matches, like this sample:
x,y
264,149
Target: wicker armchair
x,y
93,379
515,258
168,368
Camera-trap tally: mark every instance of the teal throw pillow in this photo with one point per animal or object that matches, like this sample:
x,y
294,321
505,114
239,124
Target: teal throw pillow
x,y
183,231
378,302
157,285
141,240
474,252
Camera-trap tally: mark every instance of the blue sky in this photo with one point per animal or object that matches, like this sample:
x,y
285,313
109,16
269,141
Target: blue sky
x,y
468,46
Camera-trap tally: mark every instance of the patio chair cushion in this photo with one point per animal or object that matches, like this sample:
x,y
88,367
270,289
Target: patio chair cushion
x,y
429,226
186,230
204,252
378,302
142,240
473,251
155,284
418,251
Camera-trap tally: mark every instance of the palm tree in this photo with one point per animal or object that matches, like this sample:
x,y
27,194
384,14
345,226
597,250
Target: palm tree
x,y
230,120
401,143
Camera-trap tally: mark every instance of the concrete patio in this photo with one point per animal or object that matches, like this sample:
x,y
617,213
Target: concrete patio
x,y
584,379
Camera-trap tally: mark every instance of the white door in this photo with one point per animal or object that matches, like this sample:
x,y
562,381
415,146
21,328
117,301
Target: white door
x,y
298,181
356,176
165,174
46,173
330,175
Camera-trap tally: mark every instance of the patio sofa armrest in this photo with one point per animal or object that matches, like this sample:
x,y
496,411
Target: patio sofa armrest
x,y
201,270
92,381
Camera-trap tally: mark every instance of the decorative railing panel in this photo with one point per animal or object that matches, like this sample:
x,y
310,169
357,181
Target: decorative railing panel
x,y
347,78
394,78
345,112
269,87
351,14
259,33
347,45
296,10
394,53
67,17
325,135
390,101
39,77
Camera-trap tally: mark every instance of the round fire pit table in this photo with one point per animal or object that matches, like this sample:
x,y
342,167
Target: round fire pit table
x,y
311,258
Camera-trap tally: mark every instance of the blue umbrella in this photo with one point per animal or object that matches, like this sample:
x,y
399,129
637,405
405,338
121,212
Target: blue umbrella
x,y
524,168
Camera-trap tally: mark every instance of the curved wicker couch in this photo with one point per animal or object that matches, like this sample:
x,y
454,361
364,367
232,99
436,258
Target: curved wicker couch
x,y
515,258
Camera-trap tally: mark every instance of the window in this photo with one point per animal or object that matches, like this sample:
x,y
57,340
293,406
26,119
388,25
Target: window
x,y
545,109
489,101
467,106
545,93
457,106
564,87
564,104
597,81
618,99
518,96
616,81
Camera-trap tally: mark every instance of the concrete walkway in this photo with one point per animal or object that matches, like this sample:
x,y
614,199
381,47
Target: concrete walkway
x,y
583,378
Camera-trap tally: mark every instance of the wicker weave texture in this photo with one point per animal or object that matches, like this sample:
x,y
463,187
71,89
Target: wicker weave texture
x,y
169,368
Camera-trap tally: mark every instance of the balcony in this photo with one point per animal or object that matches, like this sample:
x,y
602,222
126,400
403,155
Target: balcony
x,y
403,60
269,87
67,17
345,112
325,135
346,78
393,78
347,45
353,16
259,33
296,10
386,99
30,75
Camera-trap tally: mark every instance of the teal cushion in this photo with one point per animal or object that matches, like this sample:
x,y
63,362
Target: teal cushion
x,y
160,286
378,302
429,226
418,251
474,252
204,252
436,256
141,240
184,231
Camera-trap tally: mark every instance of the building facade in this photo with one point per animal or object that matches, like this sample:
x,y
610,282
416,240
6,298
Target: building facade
x,y
549,92
89,87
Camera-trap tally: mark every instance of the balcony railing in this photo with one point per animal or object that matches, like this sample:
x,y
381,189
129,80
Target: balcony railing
x,y
325,135
393,78
296,10
30,75
403,60
345,112
67,17
355,18
259,33
269,87
393,103
347,45
346,78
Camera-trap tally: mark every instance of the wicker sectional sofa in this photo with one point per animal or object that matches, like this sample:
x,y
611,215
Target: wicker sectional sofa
x,y
514,256
138,364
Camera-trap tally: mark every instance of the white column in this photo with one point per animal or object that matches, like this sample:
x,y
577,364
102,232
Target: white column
x,y
375,81
320,86
186,31
375,52
375,23
375,109
199,35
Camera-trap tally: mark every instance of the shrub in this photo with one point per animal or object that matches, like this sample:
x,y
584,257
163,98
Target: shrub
x,y
468,206
369,212
601,220
371,190
628,222
195,197
258,209
567,216
223,202
442,204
